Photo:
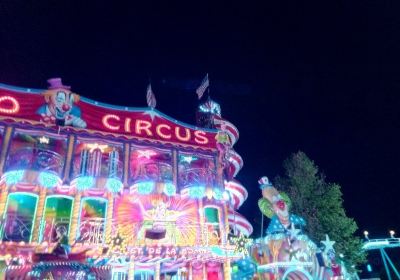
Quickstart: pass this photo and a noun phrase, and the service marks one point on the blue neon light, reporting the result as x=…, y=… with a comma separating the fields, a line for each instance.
x=145, y=187
x=15, y=176
x=48, y=180
x=84, y=182
x=218, y=194
x=169, y=189
x=197, y=192
x=114, y=185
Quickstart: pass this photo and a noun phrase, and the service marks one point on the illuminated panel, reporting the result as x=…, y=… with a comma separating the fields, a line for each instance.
x=19, y=217
x=13, y=109
x=212, y=219
x=57, y=217
x=48, y=180
x=92, y=220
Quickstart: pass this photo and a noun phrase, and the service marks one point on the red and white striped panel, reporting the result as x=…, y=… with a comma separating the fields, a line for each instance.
x=235, y=162
x=238, y=192
x=239, y=223
x=232, y=131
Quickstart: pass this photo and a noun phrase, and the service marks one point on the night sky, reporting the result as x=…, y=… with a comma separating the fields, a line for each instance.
x=321, y=77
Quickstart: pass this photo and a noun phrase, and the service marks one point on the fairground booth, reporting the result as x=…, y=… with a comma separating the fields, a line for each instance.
x=95, y=191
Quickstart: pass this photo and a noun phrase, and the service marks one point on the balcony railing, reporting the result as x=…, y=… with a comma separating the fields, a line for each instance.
x=16, y=228
x=154, y=171
x=36, y=159
x=196, y=177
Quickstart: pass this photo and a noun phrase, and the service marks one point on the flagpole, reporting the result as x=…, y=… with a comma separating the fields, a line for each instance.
x=208, y=89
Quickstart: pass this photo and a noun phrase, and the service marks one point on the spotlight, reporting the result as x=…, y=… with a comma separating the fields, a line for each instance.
x=366, y=234
x=392, y=233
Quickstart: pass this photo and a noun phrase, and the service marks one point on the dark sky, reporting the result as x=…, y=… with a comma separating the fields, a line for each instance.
x=317, y=76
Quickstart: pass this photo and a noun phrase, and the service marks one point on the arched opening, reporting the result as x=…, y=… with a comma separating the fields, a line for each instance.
x=19, y=217
x=57, y=216
x=92, y=220
x=212, y=224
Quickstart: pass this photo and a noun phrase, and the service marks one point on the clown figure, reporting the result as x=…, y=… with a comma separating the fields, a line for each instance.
x=276, y=206
x=59, y=108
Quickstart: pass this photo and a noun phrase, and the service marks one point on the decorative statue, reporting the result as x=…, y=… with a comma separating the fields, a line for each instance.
x=59, y=108
x=276, y=206
x=62, y=248
x=224, y=146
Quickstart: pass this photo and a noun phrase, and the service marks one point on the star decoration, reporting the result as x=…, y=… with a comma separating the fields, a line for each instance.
x=292, y=254
x=328, y=244
x=95, y=146
x=293, y=232
x=151, y=113
x=117, y=240
x=146, y=153
x=44, y=140
x=241, y=243
x=188, y=159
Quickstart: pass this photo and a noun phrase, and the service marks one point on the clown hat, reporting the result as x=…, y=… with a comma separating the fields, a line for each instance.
x=264, y=182
x=56, y=83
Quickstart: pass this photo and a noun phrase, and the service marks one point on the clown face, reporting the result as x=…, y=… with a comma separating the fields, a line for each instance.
x=281, y=209
x=60, y=103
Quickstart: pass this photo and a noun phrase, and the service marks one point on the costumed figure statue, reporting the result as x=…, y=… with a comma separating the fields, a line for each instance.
x=286, y=252
x=59, y=108
x=276, y=206
x=224, y=146
x=284, y=244
x=62, y=248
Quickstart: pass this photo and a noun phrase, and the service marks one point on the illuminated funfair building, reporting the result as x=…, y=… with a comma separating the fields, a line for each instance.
x=94, y=191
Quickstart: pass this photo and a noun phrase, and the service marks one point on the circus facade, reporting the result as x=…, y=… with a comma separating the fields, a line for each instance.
x=94, y=191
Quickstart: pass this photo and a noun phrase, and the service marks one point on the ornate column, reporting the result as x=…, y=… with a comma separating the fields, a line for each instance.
x=202, y=220
x=131, y=270
x=226, y=221
x=4, y=147
x=157, y=271
x=75, y=217
x=110, y=210
x=227, y=269
x=68, y=160
x=3, y=199
x=190, y=271
x=175, y=168
x=126, y=163
x=39, y=214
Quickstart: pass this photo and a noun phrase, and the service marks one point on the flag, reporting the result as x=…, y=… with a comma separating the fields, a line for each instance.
x=202, y=88
x=151, y=98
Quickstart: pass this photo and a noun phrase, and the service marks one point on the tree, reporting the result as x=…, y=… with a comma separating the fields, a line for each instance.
x=320, y=203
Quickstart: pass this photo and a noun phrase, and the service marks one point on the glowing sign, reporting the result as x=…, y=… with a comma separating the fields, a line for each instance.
x=7, y=109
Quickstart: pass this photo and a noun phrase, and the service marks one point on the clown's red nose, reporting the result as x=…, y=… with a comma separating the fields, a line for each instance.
x=281, y=204
x=65, y=107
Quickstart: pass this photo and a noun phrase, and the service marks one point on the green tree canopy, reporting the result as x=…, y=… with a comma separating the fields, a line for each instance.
x=320, y=203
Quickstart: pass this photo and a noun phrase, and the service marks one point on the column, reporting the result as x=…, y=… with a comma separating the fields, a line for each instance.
x=204, y=237
x=4, y=148
x=227, y=269
x=110, y=210
x=190, y=272
x=131, y=270
x=3, y=199
x=68, y=160
x=39, y=214
x=226, y=221
x=175, y=168
x=157, y=271
x=75, y=218
x=126, y=163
